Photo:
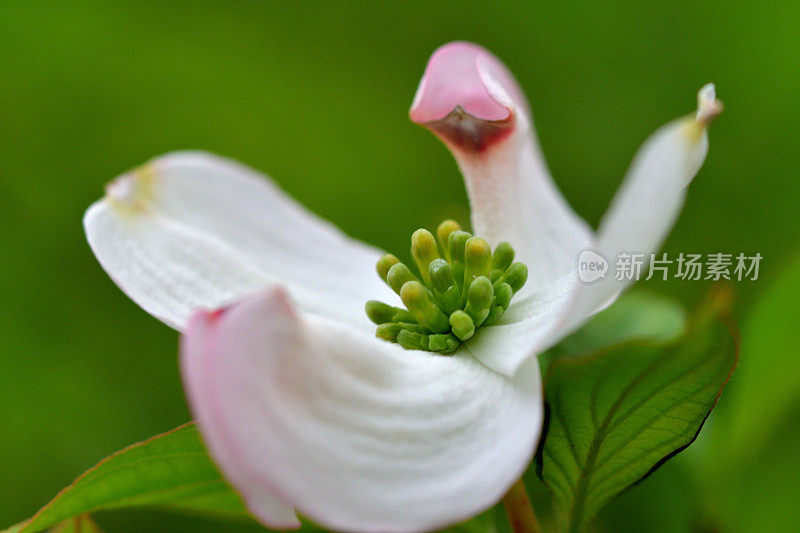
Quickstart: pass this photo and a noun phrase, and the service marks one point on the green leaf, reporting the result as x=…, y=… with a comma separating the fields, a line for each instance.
x=79, y=524
x=751, y=451
x=770, y=362
x=758, y=494
x=170, y=470
x=636, y=315
x=618, y=414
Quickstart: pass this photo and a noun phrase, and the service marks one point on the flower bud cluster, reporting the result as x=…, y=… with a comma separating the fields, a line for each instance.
x=462, y=285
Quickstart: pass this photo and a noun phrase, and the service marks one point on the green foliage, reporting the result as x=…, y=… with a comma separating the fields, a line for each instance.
x=770, y=361
x=751, y=453
x=172, y=471
x=169, y=470
x=753, y=495
x=619, y=413
x=79, y=524
x=485, y=522
x=635, y=315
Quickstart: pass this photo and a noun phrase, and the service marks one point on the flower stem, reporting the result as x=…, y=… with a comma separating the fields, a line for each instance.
x=519, y=510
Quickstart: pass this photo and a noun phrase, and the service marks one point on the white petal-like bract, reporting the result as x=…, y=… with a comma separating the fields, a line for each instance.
x=191, y=230
x=647, y=205
x=356, y=433
x=512, y=196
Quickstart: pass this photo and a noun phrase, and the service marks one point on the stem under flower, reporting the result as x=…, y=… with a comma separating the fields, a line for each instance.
x=519, y=510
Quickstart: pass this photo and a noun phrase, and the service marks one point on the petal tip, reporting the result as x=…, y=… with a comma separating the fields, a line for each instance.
x=466, y=96
x=708, y=107
x=275, y=298
x=279, y=296
x=132, y=189
x=453, y=78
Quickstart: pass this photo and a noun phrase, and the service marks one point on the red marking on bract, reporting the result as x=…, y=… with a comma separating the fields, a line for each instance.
x=215, y=315
x=467, y=132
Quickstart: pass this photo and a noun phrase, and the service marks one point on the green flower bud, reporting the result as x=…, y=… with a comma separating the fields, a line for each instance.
x=502, y=257
x=448, y=295
x=384, y=264
x=495, y=314
x=458, y=274
x=469, y=287
x=516, y=276
x=456, y=243
x=390, y=330
x=477, y=257
x=420, y=303
x=502, y=294
x=451, y=300
x=441, y=275
x=479, y=300
x=379, y=312
x=398, y=275
x=444, y=344
x=424, y=251
x=462, y=324
x=411, y=340
x=443, y=233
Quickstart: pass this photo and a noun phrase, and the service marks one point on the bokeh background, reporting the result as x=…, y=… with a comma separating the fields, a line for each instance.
x=317, y=95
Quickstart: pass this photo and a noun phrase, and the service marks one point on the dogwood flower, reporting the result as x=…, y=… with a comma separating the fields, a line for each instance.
x=301, y=406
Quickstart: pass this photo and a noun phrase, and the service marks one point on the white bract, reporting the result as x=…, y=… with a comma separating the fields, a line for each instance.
x=300, y=405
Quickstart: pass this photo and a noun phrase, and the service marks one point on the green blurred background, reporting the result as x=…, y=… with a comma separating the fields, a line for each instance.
x=317, y=95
